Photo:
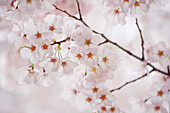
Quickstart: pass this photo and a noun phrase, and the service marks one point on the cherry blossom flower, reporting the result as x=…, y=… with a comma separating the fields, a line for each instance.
x=27, y=75
x=67, y=66
x=138, y=104
x=30, y=52
x=158, y=92
x=156, y=107
x=18, y=36
x=91, y=56
x=108, y=59
x=53, y=23
x=70, y=91
x=157, y=52
x=116, y=16
x=139, y=8
x=50, y=65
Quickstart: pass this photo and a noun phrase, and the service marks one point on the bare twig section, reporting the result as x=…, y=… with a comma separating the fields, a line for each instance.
x=114, y=43
x=64, y=11
x=78, y=5
x=59, y=43
x=103, y=43
x=158, y=70
x=168, y=68
x=132, y=81
x=142, y=40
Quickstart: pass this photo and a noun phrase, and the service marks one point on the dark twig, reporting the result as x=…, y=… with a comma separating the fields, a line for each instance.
x=142, y=40
x=132, y=81
x=103, y=43
x=113, y=43
x=64, y=11
x=168, y=68
x=78, y=5
x=59, y=43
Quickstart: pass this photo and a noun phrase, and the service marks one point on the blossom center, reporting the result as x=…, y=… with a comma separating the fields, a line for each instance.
x=45, y=46
x=160, y=93
x=136, y=4
x=64, y=64
x=160, y=53
x=12, y=3
x=89, y=99
x=79, y=56
x=95, y=90
x=38, y=35
x=53, y=60
x=157, y=108
x=105, y=59
x=88, y=42
x=51, y=28
x=89, y=55
x=28, y=1
x=33, y=48
x=103, y=108
x=112, y=109
x=94, y=70
x=116, y=11
x=103, y=97
x=75, y=91
x=126, y=0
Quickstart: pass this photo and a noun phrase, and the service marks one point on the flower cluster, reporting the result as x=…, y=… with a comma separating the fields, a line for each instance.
x=159, y=93
x=55, y=47
x=58, y=46
x=159, y=53
x=117, y=10
x=158, y=98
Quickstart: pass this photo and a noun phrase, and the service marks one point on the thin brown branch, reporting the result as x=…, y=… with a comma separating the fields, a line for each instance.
x=59, y=43
x=103, y=43
x=132, y=81
x=114, y=43
x=168, y=68
x=142, y=40
x=78, y=5
x=64, y=11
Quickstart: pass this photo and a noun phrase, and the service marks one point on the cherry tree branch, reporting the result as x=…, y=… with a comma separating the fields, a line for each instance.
x=132, y=81
x=107, y=40
x=59, y=43
x=142, y=40
x=78, y=6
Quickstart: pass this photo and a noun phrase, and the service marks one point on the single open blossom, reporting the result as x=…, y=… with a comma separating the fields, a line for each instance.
x=125, y=5
x=53, y=23
x=67, y=66
x=156, y=107
x=77, y=54
x=91, y=57
x=85, y=102
x=50, y=65
x=139, y=8
x=116, y=16
x=45, y=50
x=87, y=39
x=138, y=104
x=71, y=91
x=159, y=92
x=18, y=36
x=27, y=75
x=165, y=61
x=105, y=96
x=30, y=52
x=156, y=53
x=108, y=59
